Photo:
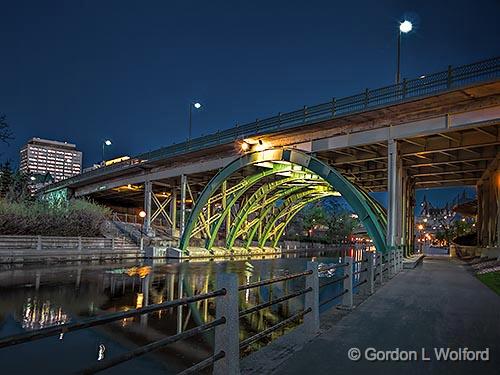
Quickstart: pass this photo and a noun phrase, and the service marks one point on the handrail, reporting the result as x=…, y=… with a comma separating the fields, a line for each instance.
x=92, y=322
x=338, y=265
x=272, y=281
x=107, y=363
x=273, y=328
x=452, y=78
x=334, y=297
x=335, y=280
x=274, y=301
x=195, y=369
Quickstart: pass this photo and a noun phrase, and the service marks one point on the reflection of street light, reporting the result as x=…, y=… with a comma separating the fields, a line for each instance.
x=420, y=227
x=191, y=105
x=404, y=28
x=107, y=142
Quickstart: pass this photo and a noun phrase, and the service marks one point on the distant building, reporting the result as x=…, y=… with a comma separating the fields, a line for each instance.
x=60, y=159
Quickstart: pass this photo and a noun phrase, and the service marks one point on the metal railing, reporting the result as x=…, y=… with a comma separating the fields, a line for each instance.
x=450, y=79
x=310, y=275
x=226, y=324
x=54, y=242
x=63, y=329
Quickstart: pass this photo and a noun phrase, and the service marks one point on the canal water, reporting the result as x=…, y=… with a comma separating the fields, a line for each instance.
x=38, y=296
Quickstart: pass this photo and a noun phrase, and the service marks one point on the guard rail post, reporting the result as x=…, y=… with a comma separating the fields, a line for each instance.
x=348, y=270
x=401, y=261
x=227, y=335
x=370, y=272
x=311, y=320
x=39, y=243
x=390, y=263
x=380, y=268
x=394, y=261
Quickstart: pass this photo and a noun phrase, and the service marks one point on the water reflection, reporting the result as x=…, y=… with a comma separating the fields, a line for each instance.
x=52, y=295
x=37, y=314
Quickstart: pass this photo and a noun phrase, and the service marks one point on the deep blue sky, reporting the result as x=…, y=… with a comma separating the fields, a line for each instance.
x=83, y=71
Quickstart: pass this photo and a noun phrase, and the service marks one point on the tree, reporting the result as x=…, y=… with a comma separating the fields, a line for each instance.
x=6, y=178
x=5, y=132
x=340, y=226
x=312, y=217
x=19, y=190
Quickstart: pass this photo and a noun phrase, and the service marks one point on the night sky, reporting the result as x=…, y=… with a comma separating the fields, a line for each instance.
x=85, y=71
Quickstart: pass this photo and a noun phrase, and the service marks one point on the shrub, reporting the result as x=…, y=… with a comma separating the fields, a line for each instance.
x=76, y=218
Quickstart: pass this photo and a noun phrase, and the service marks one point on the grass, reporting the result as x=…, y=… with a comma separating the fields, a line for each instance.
x=492, y=280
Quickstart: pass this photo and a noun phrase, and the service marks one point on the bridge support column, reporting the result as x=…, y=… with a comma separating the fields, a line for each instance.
x=148, y=188
x=394, y=198
x=173, y=211
x=183, y=203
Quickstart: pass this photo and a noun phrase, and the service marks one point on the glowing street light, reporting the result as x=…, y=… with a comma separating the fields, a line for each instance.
x=404, y=28
x=107, y=142
x=192, y=105
x=244, y=146
x=142, y=214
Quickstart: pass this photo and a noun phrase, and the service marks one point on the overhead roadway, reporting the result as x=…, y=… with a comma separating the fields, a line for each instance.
x=443, y=130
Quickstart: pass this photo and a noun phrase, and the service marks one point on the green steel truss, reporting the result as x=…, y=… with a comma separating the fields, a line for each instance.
x=278, y=184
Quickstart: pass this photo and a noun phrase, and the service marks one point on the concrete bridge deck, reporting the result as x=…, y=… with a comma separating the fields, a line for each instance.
x=439, y=304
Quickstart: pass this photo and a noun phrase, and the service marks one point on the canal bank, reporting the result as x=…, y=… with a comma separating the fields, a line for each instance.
x=34, y=297
x=437, y=305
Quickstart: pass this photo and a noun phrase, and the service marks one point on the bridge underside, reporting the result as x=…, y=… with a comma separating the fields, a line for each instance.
x=452, y=158
x=447, y=138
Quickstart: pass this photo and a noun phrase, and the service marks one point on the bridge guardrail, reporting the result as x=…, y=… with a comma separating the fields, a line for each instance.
x=225, y=359
x=452, y=78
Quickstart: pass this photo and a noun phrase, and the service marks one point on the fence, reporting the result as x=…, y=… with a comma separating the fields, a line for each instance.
x=373, y=269
x=450, y=79
x=77, y=243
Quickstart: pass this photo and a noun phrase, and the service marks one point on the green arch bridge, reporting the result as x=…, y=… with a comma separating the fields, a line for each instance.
x=273, y=186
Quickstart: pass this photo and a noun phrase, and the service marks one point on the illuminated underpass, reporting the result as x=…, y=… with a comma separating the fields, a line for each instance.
x=275, y=185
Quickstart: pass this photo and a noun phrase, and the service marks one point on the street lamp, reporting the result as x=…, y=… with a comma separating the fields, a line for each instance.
x=142, y=215
x=404, y=28
x=192, y=105
x=107, y=142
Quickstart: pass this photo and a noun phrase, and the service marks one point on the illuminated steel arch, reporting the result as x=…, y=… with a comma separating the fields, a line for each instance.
x=278, y=183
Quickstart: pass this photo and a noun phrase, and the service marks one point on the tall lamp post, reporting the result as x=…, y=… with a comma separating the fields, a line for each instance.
x=192, y=105
x=107, y=142
x=404, y=28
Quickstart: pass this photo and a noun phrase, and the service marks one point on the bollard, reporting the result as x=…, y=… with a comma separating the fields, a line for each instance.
x=39, y=243
x=398, y=263
x=370, y=272
x=390, y=263
x=311, y=320
x=79, y=243
x=227, y=334
x=348, y=270
x=381, y=268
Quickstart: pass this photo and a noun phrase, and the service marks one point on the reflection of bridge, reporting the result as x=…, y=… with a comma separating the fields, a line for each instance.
x=439, y=130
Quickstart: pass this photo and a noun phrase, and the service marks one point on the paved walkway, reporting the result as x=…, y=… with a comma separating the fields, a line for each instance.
x=439, y=304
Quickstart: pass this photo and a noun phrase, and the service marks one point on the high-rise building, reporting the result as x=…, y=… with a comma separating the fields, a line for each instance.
x=60, y=159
